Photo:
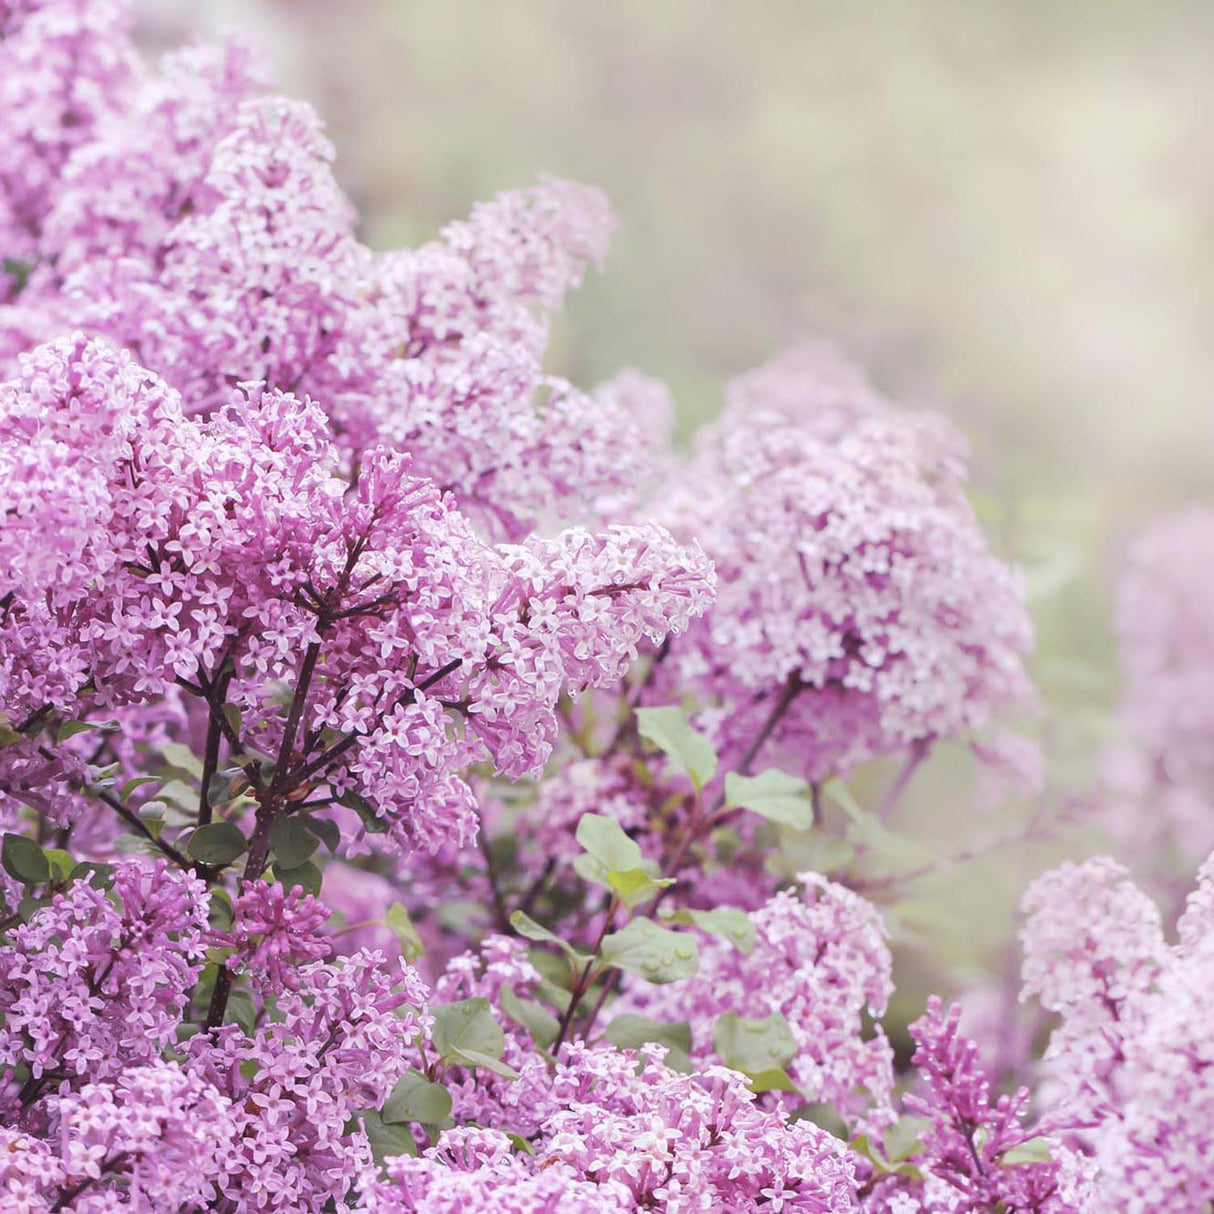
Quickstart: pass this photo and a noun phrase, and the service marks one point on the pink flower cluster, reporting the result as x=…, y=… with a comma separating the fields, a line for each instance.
x=233, y=543
x=1157, y=781
x=976, y=1153
x=1131, y=1066
x=89, y=988
x=94, y=991
x=191, y=218
x=821, y=961
x=860, y=611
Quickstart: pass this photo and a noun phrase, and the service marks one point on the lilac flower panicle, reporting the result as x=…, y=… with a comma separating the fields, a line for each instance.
x=88, y=988
x=860, y=611
x=821, y=960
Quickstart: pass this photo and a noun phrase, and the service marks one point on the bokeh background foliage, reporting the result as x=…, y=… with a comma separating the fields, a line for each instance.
x=1004, y=210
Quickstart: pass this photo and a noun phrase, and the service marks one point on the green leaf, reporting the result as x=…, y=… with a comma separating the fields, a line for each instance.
x=528, y=928
x=467, y=1025
x=669, y=730
x=1032, y=1150
x=183, y=758
x=760, y=1049
x=727, y=922
x=242, y=1010
x=386, y=1140
x=904, y=1138
x=824, y=1116
x=605, y=840
x=62, y=864
x=555, y=975
x=630, y=1032
x=614, y=861
x=366, y=811
x=152, y=814
x=221, y=913
x=773, y=795
x=415, y=1098
x=326, y=830
x=777, y=1079
x=20, y=270
x=129, y=787
x=537, y=1020
x=306, y=875
x=24, y=859
x=653, y=952
x=97, y=875
x=401, y=923
x=69, y=729
x=291, y=842
x=217, y=843
x=486, y=1062
x=520, y=1143
x=635, y=885
x=234, y=718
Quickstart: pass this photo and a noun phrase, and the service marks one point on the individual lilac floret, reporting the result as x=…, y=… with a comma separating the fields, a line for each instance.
x=860, y=610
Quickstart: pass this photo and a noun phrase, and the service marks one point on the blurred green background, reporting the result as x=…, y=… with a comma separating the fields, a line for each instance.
x=1004, y=208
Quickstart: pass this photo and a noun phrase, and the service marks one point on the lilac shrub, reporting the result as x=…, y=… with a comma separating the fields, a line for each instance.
x=422, y=788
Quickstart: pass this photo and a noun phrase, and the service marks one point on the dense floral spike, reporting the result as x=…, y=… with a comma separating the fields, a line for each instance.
x=860, y=611
x=154, y=1138
x=273, y=932
x=967, y=1157
x=64, y=65
x=821, y=961
x=1093, y=946
x=197, y=222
